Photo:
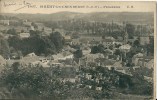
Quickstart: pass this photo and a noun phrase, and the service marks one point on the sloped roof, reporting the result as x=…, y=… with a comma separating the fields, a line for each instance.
x=138, y=55
x=125, y=47
x=97, y=55
x=58, y=56
x=117, y=64
x=29, y=59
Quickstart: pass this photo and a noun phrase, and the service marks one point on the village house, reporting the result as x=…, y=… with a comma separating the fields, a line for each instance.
x=67, y=39
x=75, y=42
x=98, y=88
x=33, y=60
x=105, y=62
x=150, y=64
x=82, y=62
x=86, y=51
x=21, y=29
x=144, y=62
x=24, y=35
x=88, y=76
x=108, y=37
x=83, y=41
x=62, y=59
x=118, y=42
x=92, y=57
x=14, y=22
x=4, y=22
x=55, y=63
x=125, y=48
x=131, y=41
x=27, y=23
x=136, y=57
x=91, y=64
x=149, y=79
x=109, y=51
x=107, y=42
x=144, y=40
x=29, y=59
x=120, y=38
x=88, y=38
x=94, y=43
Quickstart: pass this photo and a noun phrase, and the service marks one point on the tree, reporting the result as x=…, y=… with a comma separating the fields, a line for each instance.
x=78, y=54
x=57, y=39
x=117, y=45
x=35, y=25
x=111, y=47
x=101, y=48
x=150, y=47
x=117, y=52
x=97, y=49
x=12, y=31
x=136, y=43
x=94, y=49
x=4, y=47
x=130, y=29
x=33, y=82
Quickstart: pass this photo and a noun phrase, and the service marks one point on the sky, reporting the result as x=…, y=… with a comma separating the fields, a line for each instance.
x=32, y=6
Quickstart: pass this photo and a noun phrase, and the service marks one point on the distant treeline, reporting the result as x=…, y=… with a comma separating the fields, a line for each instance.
x=101, y=28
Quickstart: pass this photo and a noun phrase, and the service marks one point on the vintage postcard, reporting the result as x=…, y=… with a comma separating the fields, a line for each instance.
x=77, y=50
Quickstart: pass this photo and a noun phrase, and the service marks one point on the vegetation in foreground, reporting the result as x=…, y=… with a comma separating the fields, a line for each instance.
x=37, y=82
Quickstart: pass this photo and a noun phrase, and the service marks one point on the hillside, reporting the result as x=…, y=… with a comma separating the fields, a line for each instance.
x=135, y=17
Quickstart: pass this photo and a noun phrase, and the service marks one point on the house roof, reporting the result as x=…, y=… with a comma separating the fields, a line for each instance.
x=27, y=23
x=31, y=54
x=97, y=55
x=125, y=47
x=91, y=38
x=117, y=64
x=67, y=37
x=58, y=56
x=29, y=59
x=138, y=55
x=24, y=35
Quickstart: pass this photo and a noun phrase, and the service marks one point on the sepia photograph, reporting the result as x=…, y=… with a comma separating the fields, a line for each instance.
x=77, y=50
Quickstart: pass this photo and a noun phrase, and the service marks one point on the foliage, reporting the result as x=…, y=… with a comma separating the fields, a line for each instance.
x=4, y=47
x=117, y=52
x=37, y=44
x=122, y=82
x=130, y=30
x=33, y=81
x=136, y=43
x=150, y=47
x=57, y=39
x=78, y=54
x=12, y=31
x=97, y=49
